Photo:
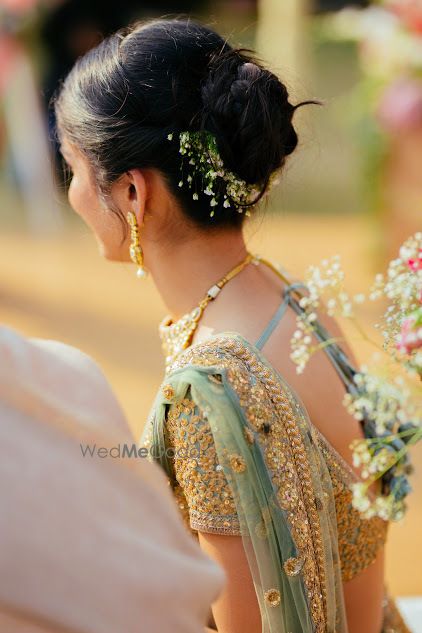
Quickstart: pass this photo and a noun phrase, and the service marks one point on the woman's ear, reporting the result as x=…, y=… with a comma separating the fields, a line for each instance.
x=138, y=193
x=130, y=193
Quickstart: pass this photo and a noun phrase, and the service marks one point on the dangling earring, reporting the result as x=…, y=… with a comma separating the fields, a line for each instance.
x=135, y=249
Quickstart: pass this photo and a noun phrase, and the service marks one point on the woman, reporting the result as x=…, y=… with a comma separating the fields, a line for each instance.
x=174, y=136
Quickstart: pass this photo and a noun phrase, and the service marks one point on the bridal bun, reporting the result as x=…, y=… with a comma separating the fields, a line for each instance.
x=248, y=109
x=122, y=101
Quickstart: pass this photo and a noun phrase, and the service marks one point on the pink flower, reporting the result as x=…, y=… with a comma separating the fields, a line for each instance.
x=410, y=12
x=400, y=107
x=410, y=337
x=415, y=264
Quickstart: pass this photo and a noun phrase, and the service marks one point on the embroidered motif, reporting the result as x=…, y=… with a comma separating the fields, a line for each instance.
x=237, y=463
x=168, y=392
x=272, y=597
x=293, y=566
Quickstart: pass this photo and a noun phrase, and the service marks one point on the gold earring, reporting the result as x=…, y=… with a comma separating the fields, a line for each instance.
x=135, y=249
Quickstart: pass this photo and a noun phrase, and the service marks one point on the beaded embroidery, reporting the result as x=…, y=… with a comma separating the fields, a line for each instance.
x=272, y=597
x=202, y=490
x=204, y=493
x=262, y=399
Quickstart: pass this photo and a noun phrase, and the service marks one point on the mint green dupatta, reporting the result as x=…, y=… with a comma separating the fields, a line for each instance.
x=279, y=480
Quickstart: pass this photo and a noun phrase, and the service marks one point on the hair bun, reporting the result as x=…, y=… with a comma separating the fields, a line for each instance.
x=247, y=108
x=247, y=72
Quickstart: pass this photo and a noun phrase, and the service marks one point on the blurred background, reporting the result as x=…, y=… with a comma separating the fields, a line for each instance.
x=353, y=187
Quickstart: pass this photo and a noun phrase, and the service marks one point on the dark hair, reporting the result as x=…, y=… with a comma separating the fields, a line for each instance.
x=123, y=98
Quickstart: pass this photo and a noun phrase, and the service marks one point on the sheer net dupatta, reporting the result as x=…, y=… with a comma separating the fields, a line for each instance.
x=282, y=492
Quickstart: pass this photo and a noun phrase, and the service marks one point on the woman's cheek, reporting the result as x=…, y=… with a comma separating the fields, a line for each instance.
x=74, y=196
x=82, y=198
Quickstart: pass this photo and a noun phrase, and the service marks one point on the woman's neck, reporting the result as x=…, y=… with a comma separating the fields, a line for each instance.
x=184, y=272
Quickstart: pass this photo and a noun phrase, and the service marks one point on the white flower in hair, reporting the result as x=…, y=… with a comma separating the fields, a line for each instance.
x=201, y=149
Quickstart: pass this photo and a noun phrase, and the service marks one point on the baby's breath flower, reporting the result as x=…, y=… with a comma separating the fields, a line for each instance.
x=359, y=298
x=360, y=499
x=387, y=507
x=383, y=401
x=200, y=147
x=324, y=283
x=379, y=400
x=402, y=286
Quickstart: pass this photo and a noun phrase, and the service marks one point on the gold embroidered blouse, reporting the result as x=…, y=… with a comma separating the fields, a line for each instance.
x=289, y=444
x=201, y=488
x=206, y=503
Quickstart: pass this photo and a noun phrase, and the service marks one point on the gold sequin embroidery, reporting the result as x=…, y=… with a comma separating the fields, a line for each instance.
x=237, y=463
x=202, y=490
x=168, y=392
x=272, y=597
x=293, y=566
x=273, y=413
x=264, y=403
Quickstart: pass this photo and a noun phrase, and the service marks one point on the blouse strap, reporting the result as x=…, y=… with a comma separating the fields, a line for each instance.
x=278, y=314
x=272, y=324
x=263, y=338
x=334, y=352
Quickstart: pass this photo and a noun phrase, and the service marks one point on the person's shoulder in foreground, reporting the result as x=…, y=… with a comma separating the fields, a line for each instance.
x=42, y=376
x=88, y=543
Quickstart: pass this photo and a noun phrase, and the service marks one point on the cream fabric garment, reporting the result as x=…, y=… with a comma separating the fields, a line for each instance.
x=88, y=544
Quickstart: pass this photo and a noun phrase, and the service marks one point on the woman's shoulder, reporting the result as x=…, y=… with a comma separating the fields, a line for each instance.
x=221, y=351
x=226, y=371
x=224, y=357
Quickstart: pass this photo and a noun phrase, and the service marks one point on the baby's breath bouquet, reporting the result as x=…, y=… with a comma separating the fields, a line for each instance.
x=385, y=395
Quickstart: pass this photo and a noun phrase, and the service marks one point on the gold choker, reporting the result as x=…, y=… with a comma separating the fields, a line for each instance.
x=177, y=336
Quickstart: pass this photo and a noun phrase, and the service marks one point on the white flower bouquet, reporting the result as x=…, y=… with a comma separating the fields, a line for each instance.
x=387, y=397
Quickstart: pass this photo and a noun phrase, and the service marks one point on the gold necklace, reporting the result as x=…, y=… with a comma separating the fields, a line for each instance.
x=177, y=335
